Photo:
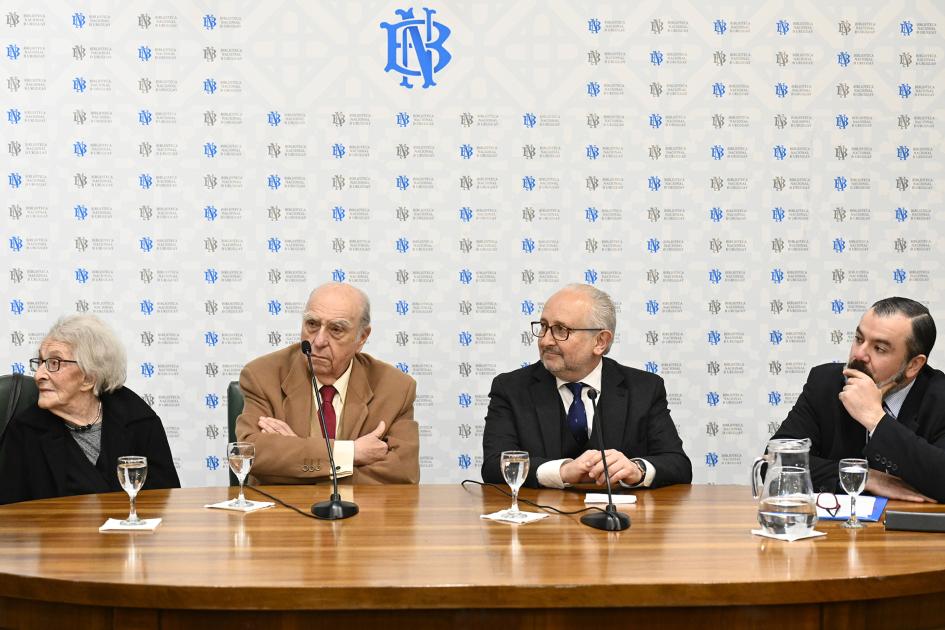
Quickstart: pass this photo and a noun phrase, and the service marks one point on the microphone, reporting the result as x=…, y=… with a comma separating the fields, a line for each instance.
x=609, y=520
x=334, y=508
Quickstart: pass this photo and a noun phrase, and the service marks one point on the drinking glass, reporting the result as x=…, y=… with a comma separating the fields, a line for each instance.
x=853, y=473
x=132, y=471
x=514, y=466
x=240, y=455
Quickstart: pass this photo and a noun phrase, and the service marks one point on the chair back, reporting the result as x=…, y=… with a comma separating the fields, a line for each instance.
x=17, y=393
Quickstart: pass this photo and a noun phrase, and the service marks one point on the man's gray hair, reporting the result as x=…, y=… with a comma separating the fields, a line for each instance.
x=603, y=311
x=99, y=353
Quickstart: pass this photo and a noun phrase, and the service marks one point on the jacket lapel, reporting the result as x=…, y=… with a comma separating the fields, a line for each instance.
x=613, y=407
x=297, y=388
x=358, y=396
x=547, y=403
x=909, y=413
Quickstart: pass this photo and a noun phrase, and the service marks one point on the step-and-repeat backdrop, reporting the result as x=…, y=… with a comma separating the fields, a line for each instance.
x=743, y=180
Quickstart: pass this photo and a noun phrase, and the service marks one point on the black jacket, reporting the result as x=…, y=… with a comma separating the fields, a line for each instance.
x=911, y=447
x=34, y=450
x=525, y=413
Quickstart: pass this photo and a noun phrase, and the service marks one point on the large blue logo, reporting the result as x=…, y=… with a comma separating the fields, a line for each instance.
x=406, y=36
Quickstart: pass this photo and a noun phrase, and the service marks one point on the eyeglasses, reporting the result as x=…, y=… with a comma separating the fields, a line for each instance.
x=52, y=364
x=559, y=332
x=828, y=501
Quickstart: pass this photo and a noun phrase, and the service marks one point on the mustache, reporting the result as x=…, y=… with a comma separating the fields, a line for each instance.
x=856, y=364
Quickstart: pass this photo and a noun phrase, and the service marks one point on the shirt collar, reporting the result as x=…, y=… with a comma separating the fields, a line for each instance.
x=895, y=400
x=591, y=380
x=341, y=385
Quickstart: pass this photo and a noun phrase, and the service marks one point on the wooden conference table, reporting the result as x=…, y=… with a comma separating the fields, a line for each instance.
x=420, y=557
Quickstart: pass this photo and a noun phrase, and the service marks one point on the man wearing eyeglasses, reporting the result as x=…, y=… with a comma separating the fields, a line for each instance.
x=545, y=408
x=885, y=404
x=368, y=404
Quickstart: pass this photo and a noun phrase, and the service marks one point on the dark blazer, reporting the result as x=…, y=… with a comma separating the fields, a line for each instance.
x=911, y=447
x=33, y=454
x=525, y=413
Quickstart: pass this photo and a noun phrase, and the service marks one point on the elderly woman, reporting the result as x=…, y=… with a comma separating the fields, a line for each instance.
x=83, y=421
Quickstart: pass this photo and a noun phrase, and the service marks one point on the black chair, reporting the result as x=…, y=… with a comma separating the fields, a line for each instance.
x=234, y=407
x=17, y=392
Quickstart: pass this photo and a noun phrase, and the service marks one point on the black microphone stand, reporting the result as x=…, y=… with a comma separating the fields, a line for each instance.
x=610, y=519
x=334, y=508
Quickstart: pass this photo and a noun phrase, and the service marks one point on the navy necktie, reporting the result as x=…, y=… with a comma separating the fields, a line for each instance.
x=577, y=415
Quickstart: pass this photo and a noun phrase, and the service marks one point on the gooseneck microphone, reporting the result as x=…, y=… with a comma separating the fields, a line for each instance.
x=610, y=519
x=334, y=508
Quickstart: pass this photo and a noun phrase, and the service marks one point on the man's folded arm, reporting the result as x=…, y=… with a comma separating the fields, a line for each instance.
x=900, y=452
x=279, y=458
x=402, y=463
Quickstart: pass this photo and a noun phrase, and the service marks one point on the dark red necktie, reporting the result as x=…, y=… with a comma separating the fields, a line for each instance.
x=328, y=394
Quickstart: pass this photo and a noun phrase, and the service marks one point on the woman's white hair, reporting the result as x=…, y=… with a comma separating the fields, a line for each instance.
x=97, y=349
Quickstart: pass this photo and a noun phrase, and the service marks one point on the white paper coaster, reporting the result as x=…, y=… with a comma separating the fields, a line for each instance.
x=811, y=534
x=114, y=525
x=518, y=518
x=252, y=507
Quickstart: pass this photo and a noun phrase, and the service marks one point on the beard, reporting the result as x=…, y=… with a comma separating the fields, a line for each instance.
x=897, y=378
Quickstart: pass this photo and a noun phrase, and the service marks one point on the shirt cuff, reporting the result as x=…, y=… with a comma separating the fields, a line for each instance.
x=549, y=474
x=647, y=480
x=344, y=457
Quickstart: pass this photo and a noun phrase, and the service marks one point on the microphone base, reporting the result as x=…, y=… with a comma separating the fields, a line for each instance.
x=609, y=521
x=334, y=509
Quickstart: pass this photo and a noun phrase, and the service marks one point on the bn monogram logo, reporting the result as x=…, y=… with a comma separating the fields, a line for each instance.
x=407, y=36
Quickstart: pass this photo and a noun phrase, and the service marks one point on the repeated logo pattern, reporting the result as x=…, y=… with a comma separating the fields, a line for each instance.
x=743, y=185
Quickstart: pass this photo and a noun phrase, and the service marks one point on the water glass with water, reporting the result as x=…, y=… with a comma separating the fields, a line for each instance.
x=240, y=456
x=514, y=466
x=132, y=471
x=853, y=474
